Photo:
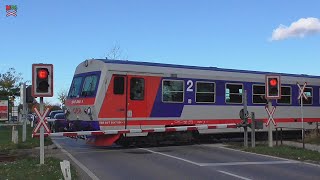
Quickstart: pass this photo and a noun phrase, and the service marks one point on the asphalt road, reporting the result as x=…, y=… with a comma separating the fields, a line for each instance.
x=182, y=162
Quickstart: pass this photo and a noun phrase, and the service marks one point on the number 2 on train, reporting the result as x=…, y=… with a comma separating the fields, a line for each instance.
x=190, y=86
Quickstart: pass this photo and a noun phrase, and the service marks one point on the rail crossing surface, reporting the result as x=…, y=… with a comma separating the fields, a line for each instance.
x=204, y=161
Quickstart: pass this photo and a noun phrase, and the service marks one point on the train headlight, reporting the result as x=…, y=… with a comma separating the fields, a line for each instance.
x=88, y=111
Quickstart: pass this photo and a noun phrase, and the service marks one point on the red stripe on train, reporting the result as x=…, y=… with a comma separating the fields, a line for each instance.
x=191, y=122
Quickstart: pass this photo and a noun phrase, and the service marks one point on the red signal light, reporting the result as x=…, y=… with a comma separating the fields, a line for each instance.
x=273, y=82
x=42, y=74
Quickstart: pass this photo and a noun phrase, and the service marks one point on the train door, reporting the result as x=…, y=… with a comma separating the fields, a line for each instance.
x=119, y=100
x=136, y=100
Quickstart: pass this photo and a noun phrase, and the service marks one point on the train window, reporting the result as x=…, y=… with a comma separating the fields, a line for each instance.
x=89, y=85
x=75, y=87
x=136, y=88
x=234, y=93
x=258, y=94
x=308, y=92
x=205, y=92
x=172, y=91
x=118, y=85
x=285, y=95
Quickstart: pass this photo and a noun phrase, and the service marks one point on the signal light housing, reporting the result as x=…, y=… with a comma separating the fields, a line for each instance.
x=273, y=87
x=42, y=80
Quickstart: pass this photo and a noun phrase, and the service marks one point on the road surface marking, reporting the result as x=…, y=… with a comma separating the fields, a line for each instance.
x=257, y=154
x=181, y=159
x=221, y=164
x=246, y=163
x=234, y=175
x=84, y=168
x=285, y=159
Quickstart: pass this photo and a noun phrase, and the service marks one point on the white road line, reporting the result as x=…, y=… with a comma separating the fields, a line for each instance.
x=258, y=154
x=84, y=168
x=234, y=175
x=246, y=163
x=222, y=164
x=181, y=159
x=307, y=163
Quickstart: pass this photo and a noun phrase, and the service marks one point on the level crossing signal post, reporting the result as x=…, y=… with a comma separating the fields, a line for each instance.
x=42, y=86
x=273, y=91
x=301, y=96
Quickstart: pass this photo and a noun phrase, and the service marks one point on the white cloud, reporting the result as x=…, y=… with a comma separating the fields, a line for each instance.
x=300, y=28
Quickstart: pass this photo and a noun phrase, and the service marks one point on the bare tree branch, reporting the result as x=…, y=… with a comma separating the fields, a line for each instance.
x=115, y=53
x=62, y=96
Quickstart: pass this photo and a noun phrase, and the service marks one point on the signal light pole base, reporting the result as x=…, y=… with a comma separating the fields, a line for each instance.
x=270, y=138
x=41, y=134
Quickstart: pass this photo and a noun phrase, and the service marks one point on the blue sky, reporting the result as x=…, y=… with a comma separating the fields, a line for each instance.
x=229, y=34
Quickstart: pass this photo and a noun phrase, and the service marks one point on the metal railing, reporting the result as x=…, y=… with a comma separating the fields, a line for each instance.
x=289, y=128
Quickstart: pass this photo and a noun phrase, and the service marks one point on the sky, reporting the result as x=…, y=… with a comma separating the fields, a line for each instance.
x=274, y=36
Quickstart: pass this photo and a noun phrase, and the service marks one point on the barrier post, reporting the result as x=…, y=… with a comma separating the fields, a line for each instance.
x=281, y=135
x=276, y=136
x=253, y=131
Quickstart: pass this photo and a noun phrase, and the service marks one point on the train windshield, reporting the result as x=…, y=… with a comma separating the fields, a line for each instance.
x=84, y=85
x=75, y=87
x=89, y=85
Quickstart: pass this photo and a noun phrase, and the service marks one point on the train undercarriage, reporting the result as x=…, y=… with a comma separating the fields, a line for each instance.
x=158, y=138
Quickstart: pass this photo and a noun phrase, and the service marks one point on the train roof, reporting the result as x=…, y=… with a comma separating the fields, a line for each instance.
x=200, y=68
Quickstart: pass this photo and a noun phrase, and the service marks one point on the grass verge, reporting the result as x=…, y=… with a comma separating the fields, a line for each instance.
x=29, y=168
x=282, y=151
x=6, y=144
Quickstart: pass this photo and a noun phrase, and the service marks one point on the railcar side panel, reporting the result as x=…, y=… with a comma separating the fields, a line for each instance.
x=132, y=99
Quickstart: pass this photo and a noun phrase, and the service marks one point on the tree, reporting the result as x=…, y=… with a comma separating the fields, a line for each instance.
x=62, y=96
x=115, y=53
x=10, y=83
x=52, y=107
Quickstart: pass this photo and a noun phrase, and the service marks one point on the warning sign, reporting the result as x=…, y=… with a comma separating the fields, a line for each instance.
x=4, y=110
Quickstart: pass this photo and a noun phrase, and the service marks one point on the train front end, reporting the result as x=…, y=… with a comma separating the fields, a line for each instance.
x=81, y=108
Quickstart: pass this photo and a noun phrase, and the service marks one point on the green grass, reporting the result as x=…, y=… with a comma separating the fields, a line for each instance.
x=29, y=168
x=5, y=139
x=282, y=151
x=26, y=167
